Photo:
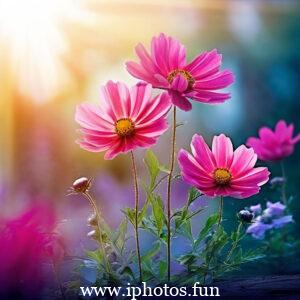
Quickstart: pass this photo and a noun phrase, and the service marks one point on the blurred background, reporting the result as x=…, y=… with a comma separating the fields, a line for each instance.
x=55, y=54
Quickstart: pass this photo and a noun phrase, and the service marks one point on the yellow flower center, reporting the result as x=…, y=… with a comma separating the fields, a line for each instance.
x=222, y=176
x=124, y=127
x=184, y=73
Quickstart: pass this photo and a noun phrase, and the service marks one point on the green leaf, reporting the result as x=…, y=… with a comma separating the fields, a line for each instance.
x=210, y=222
x=164, y=169
x=187, y=259
x=162, y=268
x=153, y=166
x=127, y=271
x=158, y=212
x=143, y=212
x=95, y=255
x=153, y=251
x=194, y=194
x=121, y=235
x=130, y=214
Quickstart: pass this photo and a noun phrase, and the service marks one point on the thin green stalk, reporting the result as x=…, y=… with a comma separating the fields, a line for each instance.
x=220, y=210
x=235, y=243
x=97, y=213
x=283, y=186
x=136, y=224
x=172, y=161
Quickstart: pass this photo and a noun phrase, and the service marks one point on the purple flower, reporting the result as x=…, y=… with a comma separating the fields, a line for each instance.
x=256, y=209
x=281, y=222
x=274, y=209
x=258, y=229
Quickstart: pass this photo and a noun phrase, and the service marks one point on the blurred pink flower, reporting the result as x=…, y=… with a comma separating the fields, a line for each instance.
x=27, y=241
x=127, y=119
x=222, y=171
x=274, y=145
x=166, y=68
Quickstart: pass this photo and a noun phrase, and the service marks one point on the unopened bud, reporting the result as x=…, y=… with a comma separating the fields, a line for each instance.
x=81, y=185
x=93, y=234
x=92, y=220
x=277, y=181
x=245, y=216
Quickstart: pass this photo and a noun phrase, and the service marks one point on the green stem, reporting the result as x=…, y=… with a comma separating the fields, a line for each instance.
x=172, y=161
x=220, y=210
x=136, y=224
x=97, y=213
x=283, y=186
x=235, y=243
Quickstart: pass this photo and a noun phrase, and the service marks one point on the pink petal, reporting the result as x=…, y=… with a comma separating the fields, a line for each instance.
x=167, y=53
x=202, y=153
x=180, y=101
x=114, y=150
x=296, y=139
x=267, y=136
x=243, y=159
x=98, y=133
x=215, y=82
x=146, y=60
x=154, y=129
x=91, y=117
x=190, y=166
x=140, y=95
x=222, y=150
x=204, y=64
x=139, y=72
x=116, y=96
x=254, y=177
x=157, y=108
x=208, y=96
x=179, y=83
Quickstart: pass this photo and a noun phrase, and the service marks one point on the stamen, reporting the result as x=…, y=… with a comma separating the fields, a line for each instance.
x=184, y=73
x=222, y=176
x=124, y=127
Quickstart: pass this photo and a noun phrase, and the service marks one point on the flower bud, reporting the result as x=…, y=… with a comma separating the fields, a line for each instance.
x=277, y=181
x=81, y=185
x=245, y=216
x=94, y=234
x=92, y=220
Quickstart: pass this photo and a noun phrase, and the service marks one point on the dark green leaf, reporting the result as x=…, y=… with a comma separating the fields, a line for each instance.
x=211, y=221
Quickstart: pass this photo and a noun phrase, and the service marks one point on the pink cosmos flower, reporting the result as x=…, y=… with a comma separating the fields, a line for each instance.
x=274, y=145
x=127, y=119
x=222, y=171
x=166, y=68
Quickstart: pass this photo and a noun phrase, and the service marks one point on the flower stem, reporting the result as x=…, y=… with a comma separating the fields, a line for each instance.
x=283, y=186
x=172, y=161
x=235, y=243
x=97, y=213
x=220, y=210
x=136, y=225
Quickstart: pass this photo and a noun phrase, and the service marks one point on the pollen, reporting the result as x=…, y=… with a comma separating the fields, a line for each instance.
x=184, y=73
x=124, y=127
x=222, y=176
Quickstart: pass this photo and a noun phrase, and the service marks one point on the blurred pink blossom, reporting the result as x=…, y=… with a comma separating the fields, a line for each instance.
x=27, y=241
x=274, y=145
